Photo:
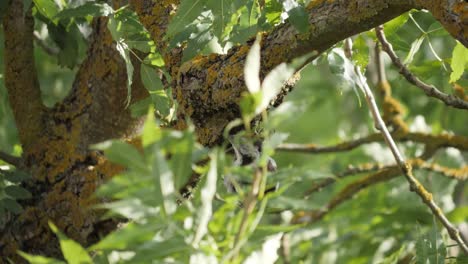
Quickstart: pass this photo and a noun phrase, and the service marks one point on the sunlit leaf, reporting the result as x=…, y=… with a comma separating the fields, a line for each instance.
x=207, y=195
x=132, y=208
x=164, y=179
x=252, y=67
x=124, y=52
x=151, y=132
x=48, y=8
x=459, y=62
x=415, y=47
x=39, y=259
x=181, y=161
x=73, y=252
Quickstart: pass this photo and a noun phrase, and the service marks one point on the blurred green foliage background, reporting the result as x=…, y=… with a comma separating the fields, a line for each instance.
x=380, y=221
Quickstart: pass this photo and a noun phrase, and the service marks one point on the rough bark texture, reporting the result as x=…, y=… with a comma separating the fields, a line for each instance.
x=208, y=89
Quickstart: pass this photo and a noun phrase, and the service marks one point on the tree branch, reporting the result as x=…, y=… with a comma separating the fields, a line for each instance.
x=348, y=192
x=99, y=93
x=441, y=140
x=15, y=161
x=430, y=90
x=406, y=168
x=21, y=78
x=460, y=174
x=209, y=87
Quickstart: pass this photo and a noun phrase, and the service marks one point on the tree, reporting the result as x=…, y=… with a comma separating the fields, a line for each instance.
x=154, y=53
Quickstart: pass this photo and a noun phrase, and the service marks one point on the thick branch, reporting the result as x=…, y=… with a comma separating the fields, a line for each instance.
x=21, y=78
x=209, y=88
x=430, y=90
x=99, y=92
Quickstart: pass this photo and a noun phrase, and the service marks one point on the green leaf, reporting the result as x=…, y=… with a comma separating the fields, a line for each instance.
x=17, y=192
x=15, y=176
x=123, y=50
x=127, y=237
x=249, y=103
x=459, y=62
x=392, y=26
x=164, y=180
x=197, y=42
x=140, y=108
x=39, y=259
x=73, y=252
x=12, y=205
x=273, y=10
x=299, y=18
x=222, y=12
x=252, y=67
x=344, y=71
x=67, y=41
x=130, y=30
x=428, y=247
x=151, y=132
x=275, y=79
x=415, y=47
x=87, y=9
x=181, y=160
x=394, y=257
x=114, y=26
x=124, y=154
x=207, y=194
x=48, y=8
x=361, y=51
x=187, y=12
x=173, y=246
x=154, y=85
x=459, y=214
x=133, y=208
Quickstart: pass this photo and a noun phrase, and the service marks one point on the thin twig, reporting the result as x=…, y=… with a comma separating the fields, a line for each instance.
x=460, y=174
x=350, y=171
x=285, y=249
x=347, y=192
x=441, y=140
x=405, y=167
x=430, y=90
x=249, y=205
x=15, y=161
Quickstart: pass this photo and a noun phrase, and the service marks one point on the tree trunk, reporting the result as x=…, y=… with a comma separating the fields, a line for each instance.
x=56, y=141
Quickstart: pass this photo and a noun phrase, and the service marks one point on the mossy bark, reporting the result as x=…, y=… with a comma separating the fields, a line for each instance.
x=56, y=141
